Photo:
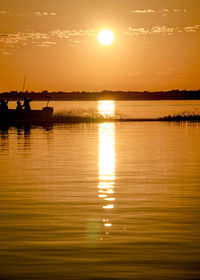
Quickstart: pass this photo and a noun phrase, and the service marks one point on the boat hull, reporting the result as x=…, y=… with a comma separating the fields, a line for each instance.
x=12, y=116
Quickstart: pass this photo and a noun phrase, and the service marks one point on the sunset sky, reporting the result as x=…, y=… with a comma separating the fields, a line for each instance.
x=54, y=44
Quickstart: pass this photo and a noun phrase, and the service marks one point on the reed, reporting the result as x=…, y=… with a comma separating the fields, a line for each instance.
x=78, y=117
x=82, y=117
x=185, y=116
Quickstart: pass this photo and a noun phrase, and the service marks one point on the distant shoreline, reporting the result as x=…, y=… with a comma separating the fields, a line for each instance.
x=103, y=95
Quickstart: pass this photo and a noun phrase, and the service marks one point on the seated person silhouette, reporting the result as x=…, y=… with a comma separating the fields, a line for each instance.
x=4, y=105
x=19, y=106
x=26, y=104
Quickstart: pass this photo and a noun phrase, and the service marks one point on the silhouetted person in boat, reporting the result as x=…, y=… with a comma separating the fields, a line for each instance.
x=19, y=106
x=4, y=105
x=1, y=106
x=26, y=104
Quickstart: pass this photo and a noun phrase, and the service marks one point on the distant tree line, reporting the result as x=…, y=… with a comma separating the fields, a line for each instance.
x=104, y=95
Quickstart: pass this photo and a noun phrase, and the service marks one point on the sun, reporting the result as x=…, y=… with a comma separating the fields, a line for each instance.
x=106, y=37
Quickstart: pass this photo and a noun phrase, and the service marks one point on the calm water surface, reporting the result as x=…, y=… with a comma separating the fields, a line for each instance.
x=100, y=201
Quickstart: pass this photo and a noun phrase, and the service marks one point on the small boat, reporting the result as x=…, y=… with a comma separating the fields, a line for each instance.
x=12, y=116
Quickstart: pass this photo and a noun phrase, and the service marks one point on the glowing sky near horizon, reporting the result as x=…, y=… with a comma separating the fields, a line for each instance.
x=54, y=44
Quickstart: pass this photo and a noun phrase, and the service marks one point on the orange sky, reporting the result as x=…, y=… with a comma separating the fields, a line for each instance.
x=54, y=44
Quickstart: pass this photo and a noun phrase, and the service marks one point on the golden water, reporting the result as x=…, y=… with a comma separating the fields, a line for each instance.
x=100, y=201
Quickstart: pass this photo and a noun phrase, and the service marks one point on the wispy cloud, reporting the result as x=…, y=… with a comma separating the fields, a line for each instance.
x=37, y=13
x=14, y=38
x=45, y=44
x=162, y=12
x=154, y=30
x=72, y=36
x=62, y=34
x=147, y=11
x=137, y=31
x=163, y=30
x=40, y=14
x=179, y=11
x=43, y=40
x=193, y=28
x=65, y=34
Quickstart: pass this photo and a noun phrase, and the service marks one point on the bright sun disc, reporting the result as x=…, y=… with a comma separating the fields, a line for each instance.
x=106, y=37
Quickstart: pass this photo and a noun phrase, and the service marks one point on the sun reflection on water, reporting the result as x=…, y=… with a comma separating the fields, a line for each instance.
x=106, y=108
x=107, y=176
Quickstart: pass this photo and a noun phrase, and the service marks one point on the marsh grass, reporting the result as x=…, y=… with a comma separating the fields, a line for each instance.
x=77, y=116
x=81, y=116
x=185, y=116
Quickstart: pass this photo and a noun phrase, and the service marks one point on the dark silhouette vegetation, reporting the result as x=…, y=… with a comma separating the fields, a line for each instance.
x=104, y=95
x=185, y=116
x=73, y=118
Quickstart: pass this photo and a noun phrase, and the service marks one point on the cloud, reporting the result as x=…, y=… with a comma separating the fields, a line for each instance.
x=65, y=34
x=176, y=11
x=32, y=36
x=14, y=38
x=43, y=40
x=193, y=28
x=148, y=11
x=45, y=44
x=179, y=11
x=154, y=30
x=62, y=34
x=72, y=36
x=81, y=32
x=40, y=14
x=137, y=31
x=161, y=30
x=163, y=11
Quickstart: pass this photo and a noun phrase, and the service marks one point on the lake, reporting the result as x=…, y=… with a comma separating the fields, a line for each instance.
x=102, y=200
